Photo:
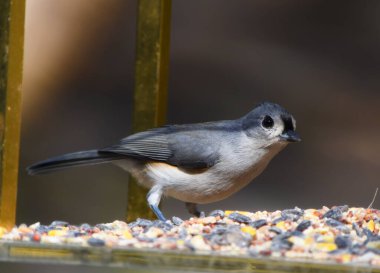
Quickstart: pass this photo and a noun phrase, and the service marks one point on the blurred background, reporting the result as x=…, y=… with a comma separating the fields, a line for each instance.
x=319, y=59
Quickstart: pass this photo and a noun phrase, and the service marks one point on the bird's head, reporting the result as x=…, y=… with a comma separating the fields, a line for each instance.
x=268, y=124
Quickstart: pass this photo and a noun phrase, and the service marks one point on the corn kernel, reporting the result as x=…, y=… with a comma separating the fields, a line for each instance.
x=326, y=247
x=228, y=212
x=281, y=225
x=57, y=232
x=249, y=230
x=371, y=225
x=127, y=235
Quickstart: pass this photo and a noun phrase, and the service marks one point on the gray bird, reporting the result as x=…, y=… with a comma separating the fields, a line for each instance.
x=195, y=163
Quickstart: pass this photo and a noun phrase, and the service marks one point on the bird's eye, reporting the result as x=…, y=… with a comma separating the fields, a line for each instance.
x=267, y=122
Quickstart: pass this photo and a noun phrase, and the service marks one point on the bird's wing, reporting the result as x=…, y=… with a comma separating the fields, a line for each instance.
x=170, y=144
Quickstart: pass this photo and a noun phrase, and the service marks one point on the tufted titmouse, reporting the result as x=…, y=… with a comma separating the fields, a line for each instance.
x=196, y=163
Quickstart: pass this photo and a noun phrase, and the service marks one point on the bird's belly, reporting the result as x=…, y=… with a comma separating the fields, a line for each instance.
x=199, y=187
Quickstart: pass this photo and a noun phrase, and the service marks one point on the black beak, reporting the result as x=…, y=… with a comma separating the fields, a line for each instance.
x=290, y=136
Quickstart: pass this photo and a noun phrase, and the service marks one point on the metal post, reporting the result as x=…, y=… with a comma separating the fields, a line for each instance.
x=12, y=14
x=151, y=81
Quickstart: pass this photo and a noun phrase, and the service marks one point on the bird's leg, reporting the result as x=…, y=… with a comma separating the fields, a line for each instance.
x=192, y=209
x=153, y=197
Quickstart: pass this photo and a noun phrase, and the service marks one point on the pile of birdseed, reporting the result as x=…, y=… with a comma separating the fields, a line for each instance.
x=340, y=234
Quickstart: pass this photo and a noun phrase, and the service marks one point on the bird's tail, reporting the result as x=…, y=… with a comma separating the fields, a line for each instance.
x=69, y=160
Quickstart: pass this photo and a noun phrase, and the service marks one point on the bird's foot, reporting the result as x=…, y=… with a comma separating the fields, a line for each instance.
x=158, y=213
x=192, y=209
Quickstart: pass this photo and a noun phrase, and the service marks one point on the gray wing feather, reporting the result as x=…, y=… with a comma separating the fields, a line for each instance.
x=170, y=144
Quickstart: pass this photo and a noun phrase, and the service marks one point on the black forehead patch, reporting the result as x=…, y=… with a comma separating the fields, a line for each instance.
x=288, y=123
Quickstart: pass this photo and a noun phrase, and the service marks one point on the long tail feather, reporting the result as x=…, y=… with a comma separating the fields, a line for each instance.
x=70, y=160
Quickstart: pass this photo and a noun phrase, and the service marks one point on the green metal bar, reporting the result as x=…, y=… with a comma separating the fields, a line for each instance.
x=12, y=15
x=151, y=82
